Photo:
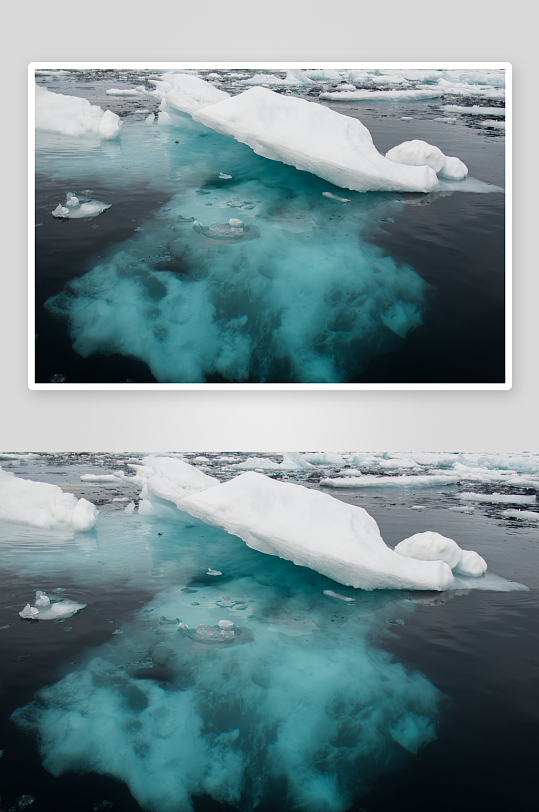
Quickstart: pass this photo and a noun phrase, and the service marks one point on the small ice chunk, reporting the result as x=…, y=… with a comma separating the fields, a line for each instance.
x=225, y=624
x=331, y=594
x=214, y=634
x=336, y=197
x=235, y=222
x=29, y=612
x=43, y=609
x=109, y=126
x=84, y=516
x=222, y=176
x=60, y=211
x=213, y=572
x=75, y=210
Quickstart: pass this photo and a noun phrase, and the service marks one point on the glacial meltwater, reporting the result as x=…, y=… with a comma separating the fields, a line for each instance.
x=237, y=227
x=169, y=641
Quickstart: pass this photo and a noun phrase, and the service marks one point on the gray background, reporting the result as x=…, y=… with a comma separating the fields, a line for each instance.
x=259, y=31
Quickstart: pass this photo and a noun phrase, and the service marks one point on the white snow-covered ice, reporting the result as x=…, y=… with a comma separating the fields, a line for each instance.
x=72, y=116
x=312, y=138
x=313, y=530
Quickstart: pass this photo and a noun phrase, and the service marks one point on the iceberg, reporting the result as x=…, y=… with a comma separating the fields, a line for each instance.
x=312, y=138
x=72, y=116
x=313, y=530
x=43, y=505
x=45, y=609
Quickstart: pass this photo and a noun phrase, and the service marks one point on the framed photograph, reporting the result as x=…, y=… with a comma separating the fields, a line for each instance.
x=243, y=226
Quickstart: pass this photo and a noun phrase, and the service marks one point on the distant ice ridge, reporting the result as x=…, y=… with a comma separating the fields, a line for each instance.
x=381, y=95
x=372, y=480
x=45, y=609
x=40, y=504
x=72, y=116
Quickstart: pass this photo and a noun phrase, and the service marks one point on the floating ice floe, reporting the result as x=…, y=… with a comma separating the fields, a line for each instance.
x=40, y=504
x=419, y=153
x=118, y=91
x=313, y=530
x=381, y=95
x=528, y=515
x=72, y=116
x=74, y=209
x=500, y=498
x=45, y=609
x=312, y=138
x=373, y=481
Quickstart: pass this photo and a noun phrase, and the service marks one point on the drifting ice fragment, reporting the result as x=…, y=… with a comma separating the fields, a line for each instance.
x=331, y=594
x=84, y=516
x=43, y=609
x=336, y=197
x=74, y=209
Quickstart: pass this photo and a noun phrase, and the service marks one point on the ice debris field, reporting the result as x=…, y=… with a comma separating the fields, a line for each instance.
x=259, y=266
x=252, y=674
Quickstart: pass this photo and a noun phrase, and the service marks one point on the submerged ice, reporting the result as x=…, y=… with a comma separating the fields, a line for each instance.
x=239, y=709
